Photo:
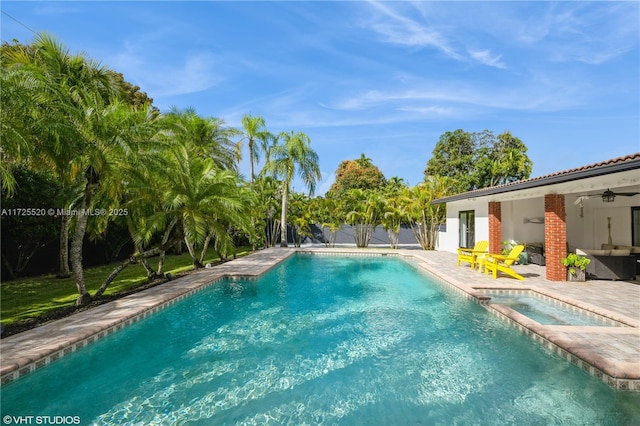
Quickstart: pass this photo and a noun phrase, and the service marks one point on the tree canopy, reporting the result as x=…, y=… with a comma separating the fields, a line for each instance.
x=360, y=174
x=171, y=177
x=479, y=160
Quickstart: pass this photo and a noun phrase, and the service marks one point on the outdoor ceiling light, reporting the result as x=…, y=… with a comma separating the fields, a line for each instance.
x=608, y=196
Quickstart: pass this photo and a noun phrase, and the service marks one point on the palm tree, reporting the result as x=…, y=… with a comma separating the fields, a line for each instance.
x=17, y=115
x=203, y=198
x=423, y=216
x=202, y=190
x=300, y=216
x=364, y=216
x=257, y=138
x=394, y=185
x=416, y=203
x=266, y=215
x=57, y=84
x=206, y=136
x=80, y=134
x=364, y=161
x=330, y=213
x=392, y=218
x=110, y=135
x=293, y=156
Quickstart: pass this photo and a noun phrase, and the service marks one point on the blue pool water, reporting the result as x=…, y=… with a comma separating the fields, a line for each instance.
x=547, y=313
x=320, y=340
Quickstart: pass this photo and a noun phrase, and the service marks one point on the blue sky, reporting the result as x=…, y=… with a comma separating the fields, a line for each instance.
x=382, y=78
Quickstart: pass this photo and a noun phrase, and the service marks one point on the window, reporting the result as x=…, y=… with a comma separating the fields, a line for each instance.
x=467, y=228
x=635, y=226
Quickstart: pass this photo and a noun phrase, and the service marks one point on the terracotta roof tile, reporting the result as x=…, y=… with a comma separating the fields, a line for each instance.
x=593, y=166
x=542, y=180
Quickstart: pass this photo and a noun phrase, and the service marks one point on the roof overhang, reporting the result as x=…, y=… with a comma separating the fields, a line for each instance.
x=580, y=181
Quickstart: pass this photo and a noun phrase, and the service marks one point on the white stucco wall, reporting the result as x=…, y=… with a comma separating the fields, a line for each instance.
x=519, y=220
x=585, y=229
x=591, y=230
x=514, y=214
x=450, y=240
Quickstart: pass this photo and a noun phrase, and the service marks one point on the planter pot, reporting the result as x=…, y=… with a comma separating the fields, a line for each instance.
x=578, y=275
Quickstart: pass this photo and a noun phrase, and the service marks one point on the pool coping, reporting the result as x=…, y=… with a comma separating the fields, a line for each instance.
x=605, y=316
x=25, y=352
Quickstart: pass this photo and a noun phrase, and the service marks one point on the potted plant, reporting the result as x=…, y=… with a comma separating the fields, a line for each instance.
x=523, y=258
x=576, y=266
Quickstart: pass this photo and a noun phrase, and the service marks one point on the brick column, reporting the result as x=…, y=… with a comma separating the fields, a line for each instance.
x=555, y=236
x=495, y=227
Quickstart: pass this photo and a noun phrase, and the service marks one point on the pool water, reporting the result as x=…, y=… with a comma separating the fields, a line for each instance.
x=548, y=313
x=320, y=340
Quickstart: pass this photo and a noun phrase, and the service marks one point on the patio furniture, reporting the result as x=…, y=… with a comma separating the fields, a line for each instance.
x=615, y=264
x=617, y=268
x=502, y=263
x=633, y=251
x=536, y=253
x=471, y=255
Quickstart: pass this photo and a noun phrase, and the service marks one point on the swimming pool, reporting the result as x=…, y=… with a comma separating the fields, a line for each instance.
x=320, y=339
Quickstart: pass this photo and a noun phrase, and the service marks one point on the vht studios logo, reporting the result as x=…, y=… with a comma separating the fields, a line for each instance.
x=41, y=420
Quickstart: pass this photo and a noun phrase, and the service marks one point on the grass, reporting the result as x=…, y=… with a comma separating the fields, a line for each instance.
x=32, y=297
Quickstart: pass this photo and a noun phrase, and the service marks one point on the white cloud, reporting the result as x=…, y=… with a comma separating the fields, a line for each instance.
x=429, y=111
x=446, y=97
x=592, y=33
x=191, y=74
x=487, y=58
x=399, y=29
x=195, y=75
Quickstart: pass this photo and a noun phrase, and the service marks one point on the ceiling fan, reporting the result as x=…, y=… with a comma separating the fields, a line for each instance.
x=607, y=196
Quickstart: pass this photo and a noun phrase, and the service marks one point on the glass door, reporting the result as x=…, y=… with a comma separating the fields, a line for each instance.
x=467, y=229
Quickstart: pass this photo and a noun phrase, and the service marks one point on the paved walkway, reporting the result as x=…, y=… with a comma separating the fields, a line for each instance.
x=609, y=353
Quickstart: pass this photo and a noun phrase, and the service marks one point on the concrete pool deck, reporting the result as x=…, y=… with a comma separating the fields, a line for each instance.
x=611, y=354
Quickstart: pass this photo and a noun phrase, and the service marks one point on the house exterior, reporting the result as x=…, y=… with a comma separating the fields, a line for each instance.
x=581, y=208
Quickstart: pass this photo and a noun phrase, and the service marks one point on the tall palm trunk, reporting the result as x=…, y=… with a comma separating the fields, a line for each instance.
x=76, y=248
x=251, y=154
x=271, y=231
x=362, y=234
x=192, y=252
x=142, y=256
x=165, y=238
x=393, y=238
x=151, y=274
x=64, y=271
x=205, y=246
x=283, y=216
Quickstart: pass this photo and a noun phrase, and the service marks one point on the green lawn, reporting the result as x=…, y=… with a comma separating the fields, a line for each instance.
x=31, y=297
